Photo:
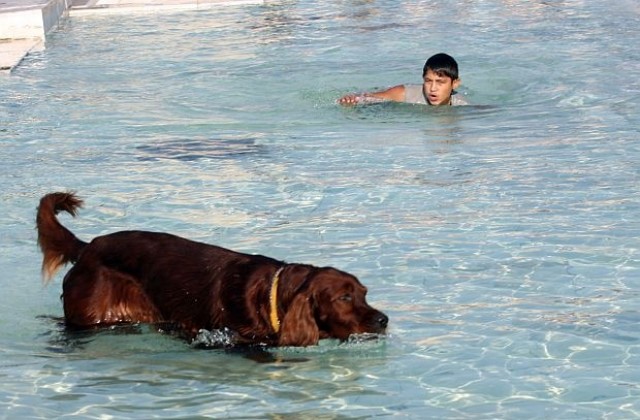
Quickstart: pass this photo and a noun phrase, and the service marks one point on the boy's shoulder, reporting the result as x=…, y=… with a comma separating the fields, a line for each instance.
x=457, y=100
x=414, y=94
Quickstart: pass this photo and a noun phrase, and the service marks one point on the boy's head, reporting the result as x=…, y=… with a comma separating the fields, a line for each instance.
x=443, y=65
x=440, y=77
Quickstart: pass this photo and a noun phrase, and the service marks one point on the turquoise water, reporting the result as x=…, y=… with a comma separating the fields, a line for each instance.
x=501, y=239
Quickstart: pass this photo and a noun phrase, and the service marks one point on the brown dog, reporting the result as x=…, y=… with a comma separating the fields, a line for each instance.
x=149, y=277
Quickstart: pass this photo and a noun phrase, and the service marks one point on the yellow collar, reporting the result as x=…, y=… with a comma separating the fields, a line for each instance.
x=273, y=301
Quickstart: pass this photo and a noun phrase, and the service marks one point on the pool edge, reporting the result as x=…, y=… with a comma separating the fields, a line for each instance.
x=26, y=25
x=25, y=28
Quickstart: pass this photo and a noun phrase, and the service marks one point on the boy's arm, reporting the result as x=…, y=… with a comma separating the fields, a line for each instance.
x=395, y=93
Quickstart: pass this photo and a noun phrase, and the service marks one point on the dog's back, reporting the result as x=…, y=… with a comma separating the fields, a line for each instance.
x=139, y=276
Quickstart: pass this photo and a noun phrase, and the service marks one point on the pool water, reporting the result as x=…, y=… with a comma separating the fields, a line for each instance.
x=501, y=238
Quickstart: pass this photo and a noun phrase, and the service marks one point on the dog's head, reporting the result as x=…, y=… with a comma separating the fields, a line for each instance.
x=326, y=303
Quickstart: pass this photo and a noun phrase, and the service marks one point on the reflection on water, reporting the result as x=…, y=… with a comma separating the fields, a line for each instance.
x=501, y=238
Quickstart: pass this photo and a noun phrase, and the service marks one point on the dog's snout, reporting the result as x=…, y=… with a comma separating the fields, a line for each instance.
x=382, y=320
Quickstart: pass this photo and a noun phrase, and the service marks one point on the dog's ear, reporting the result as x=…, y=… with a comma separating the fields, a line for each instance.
x=298, y=327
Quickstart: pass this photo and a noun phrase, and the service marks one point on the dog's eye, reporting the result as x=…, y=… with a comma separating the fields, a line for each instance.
x=345, y=298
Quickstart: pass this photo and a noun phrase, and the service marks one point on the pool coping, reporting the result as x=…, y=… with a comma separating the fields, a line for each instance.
x=25, y=25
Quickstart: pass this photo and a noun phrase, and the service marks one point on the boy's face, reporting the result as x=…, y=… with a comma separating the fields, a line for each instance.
x=438, y=88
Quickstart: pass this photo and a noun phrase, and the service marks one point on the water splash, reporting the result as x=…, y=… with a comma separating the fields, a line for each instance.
x=355, y=339
x=223, y=338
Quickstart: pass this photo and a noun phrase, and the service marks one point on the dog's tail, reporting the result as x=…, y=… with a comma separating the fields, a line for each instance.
x=59, y=246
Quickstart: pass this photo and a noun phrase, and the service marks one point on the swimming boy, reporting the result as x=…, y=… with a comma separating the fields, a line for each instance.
x=440, y=79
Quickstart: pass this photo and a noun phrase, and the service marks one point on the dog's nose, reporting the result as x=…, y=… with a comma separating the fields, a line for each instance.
x=383, y=320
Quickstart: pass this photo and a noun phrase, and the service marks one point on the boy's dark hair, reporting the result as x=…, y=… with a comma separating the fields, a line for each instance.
x=441, y=64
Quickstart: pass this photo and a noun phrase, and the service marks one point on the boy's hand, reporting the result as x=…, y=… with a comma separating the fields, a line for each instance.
x=351, y=99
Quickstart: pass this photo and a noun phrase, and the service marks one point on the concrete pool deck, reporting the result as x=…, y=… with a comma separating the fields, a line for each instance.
x=25, y=24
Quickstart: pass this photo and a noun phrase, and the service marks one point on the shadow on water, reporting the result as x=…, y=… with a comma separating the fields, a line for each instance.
x=64, y=340
x=127, y=339
x=196, y=149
